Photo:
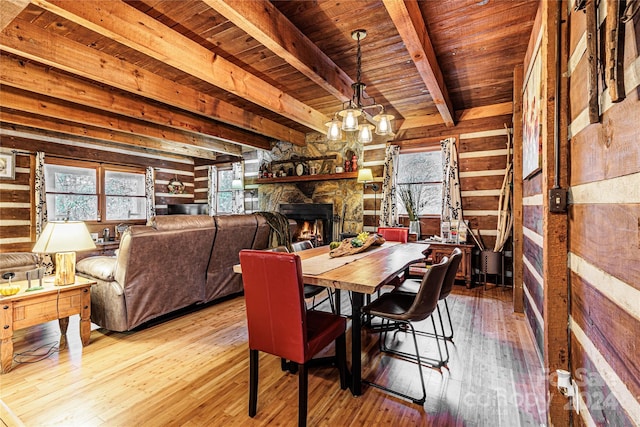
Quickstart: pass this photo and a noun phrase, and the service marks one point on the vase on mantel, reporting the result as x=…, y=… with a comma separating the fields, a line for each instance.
x=414, y=227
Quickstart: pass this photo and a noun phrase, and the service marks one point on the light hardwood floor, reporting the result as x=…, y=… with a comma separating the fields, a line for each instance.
x=192, y=370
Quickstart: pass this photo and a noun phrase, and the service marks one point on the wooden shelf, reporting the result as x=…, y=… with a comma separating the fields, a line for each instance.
x=305, y=178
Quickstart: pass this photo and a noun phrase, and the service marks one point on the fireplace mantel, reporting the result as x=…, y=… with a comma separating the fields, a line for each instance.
x=305, y=178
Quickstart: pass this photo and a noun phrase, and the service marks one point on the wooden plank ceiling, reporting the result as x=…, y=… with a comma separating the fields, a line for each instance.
x=205, y=77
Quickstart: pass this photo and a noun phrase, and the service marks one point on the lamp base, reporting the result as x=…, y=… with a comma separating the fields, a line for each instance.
x=65, y=269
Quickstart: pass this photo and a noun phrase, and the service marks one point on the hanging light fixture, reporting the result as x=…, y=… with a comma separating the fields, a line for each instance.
x=355, y=108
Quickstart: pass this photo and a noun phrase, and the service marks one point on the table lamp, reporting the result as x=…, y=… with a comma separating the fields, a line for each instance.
x=63, y=239
x=366, y=177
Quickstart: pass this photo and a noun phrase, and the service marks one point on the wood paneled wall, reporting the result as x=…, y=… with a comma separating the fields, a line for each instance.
x=17, y=216
x=604, y=236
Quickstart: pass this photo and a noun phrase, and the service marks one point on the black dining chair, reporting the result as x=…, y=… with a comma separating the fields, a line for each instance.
x=402, y=309
x=411, y=287
x=311, y=291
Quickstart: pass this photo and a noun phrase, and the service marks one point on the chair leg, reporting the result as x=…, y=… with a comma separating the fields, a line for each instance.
x=253, y=382
x=333, y=307
x=302, y=395
x=341, y=356
x=419, y=401
x=449, y=336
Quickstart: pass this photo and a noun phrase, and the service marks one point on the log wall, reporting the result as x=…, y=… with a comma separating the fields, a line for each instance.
x=604, y=235
x=17, y=215
x=482, y=156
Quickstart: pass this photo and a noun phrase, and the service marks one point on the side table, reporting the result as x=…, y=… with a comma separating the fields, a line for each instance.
x=439, y=250
x=26, y=309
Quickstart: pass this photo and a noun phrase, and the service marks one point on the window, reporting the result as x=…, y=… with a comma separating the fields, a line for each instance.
x=423, y=169
x=224, y=192
x=85, y=191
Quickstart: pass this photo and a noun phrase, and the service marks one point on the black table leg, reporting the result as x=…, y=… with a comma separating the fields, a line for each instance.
x=356, y=344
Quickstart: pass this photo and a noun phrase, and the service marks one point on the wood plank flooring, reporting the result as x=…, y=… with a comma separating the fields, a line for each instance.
x=192, y=370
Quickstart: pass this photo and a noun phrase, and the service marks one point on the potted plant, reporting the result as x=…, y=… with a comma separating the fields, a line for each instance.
x=414, y=201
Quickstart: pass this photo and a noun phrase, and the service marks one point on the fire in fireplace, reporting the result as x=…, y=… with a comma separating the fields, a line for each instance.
x=315, y=221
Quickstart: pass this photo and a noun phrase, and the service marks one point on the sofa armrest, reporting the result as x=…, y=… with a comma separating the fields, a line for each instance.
x=98, y=267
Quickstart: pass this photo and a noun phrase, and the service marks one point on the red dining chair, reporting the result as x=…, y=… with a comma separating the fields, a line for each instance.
x=279, y=323
x=394, y=234
x=401, y=309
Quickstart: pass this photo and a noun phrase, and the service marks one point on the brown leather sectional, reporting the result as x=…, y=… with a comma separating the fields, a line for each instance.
x=173, y=262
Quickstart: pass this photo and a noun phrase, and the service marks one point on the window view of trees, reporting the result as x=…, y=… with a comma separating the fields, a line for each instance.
x=225, y=194
x=124, y=195
x=72, y=193
x=424, y=170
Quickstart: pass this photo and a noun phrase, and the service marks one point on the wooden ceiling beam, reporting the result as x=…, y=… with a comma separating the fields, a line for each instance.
x=34, y=103
x=9, y=9
x=27, y=76
x=494, y=110
x=32, y=42
x=136, y=30
x=264, y=22
x=407, y=18
x=70, y=132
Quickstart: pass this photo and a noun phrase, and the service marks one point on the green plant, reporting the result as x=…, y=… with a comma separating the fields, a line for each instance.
x=412, y=197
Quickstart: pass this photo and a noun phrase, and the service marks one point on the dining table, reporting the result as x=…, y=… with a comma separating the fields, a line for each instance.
x=361, y=274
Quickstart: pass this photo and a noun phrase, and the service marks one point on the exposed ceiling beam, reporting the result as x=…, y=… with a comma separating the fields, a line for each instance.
x=265, y=23
x=125, y=24
x=407, y=18
x=71, y=132
x=32, y=42
x=9, y=9
x=27, y=76
x=34, y=103
x=461, y=115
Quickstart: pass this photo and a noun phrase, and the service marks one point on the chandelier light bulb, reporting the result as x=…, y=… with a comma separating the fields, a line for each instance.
x=365, y=135
x=334, y=133
x=383, y=124
x=350, y=121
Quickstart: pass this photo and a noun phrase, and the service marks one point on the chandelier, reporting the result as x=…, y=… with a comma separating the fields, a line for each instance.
x=348, y=118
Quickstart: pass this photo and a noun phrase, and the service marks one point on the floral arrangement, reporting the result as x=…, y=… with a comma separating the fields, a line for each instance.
x=412, y=197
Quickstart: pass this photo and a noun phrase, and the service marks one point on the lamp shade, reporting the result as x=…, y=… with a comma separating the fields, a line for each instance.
x=237, y=184
x=67, y=236
x=334, y=131
x=365, y=175
x=350, y=119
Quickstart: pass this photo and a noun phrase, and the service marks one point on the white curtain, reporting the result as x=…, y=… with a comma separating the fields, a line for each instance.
x=41, y=209
x=237, y=200
x=451, y=199
x=150, y=191
x=212, y=193
x=389, y=211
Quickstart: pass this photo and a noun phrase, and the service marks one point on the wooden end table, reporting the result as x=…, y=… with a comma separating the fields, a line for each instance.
x=26, y=309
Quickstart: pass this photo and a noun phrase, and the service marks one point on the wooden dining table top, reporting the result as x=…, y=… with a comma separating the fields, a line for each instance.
x=364, y=275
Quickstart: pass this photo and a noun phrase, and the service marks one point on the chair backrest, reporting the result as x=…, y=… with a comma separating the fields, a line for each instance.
x=394, y=234
x=274, y=299
x=450, y=277
x=302, y=245
x=278, y=249
x=427, y=297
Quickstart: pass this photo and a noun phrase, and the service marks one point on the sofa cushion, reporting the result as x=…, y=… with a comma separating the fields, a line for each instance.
x=100, y=267
x=180, y=222
x=18, y=259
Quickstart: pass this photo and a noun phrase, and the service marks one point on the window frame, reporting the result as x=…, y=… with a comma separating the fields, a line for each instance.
x=219, y=170
x=422, y=148
x=100, y=169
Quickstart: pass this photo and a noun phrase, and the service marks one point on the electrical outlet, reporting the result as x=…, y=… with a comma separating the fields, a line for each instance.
x=557, y=200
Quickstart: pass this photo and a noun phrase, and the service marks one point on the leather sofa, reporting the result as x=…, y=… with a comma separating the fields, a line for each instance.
x=173, y=262
x=18, y=263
